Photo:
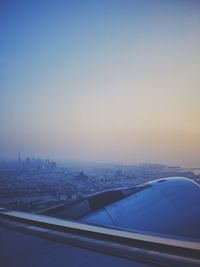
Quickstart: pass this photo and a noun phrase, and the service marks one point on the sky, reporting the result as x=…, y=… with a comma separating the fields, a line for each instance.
x=108, y=80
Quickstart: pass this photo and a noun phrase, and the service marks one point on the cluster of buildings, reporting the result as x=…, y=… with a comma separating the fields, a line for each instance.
x=30, y=164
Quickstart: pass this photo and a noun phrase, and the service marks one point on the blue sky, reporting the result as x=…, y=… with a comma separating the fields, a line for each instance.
x=114, y=81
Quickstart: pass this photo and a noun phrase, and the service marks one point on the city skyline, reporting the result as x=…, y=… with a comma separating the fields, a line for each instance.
x=103, y=81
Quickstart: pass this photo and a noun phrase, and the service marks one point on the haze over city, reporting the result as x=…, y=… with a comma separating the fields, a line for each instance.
x=111, y=81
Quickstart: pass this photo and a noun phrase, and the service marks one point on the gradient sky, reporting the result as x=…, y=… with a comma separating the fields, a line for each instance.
x=107, y=80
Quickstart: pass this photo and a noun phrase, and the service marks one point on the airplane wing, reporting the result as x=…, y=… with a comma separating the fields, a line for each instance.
x=155, y=224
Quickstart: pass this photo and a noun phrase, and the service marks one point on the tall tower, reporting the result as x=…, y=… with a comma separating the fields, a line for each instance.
x=19, y=156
